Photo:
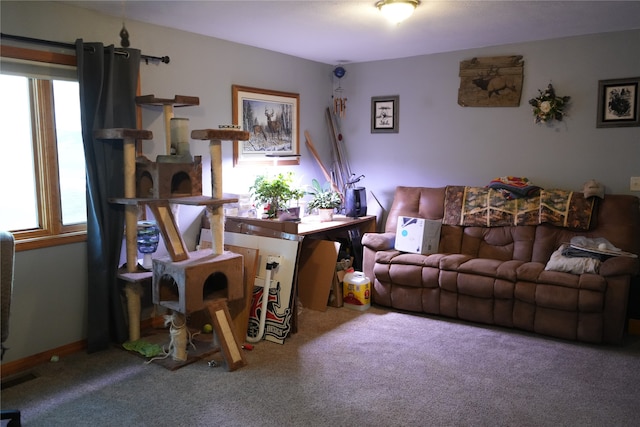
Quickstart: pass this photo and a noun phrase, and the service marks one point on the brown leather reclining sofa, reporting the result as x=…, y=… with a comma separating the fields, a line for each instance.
x=496, y=274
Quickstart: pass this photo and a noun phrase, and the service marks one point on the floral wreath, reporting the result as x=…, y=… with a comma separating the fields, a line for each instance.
x=547, y=106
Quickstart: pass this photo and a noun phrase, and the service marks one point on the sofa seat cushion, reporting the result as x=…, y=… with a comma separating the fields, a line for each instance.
x=405, y=269
x=475, y=286
x=558, y=297
x=397, y=257
x=560, y=291
x=567, y=299
x=535, y=272
x=491, y=268
x=589, y=281
x=529, y=271
x=451, y=262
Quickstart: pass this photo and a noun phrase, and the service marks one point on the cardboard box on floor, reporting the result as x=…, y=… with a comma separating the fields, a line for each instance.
x=335, y=296
x=317, y=271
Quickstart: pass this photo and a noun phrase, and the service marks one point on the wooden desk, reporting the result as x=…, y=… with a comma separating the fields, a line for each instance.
x=306, y=231
x=342, y=227
x=311, y=225
x=308, y=226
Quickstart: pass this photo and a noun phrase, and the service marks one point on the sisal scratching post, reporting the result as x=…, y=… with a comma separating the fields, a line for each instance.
x=128, y=137
x=216, y=214
x=131, y=211
x=168, y=115
x=180, y=137
x=216, y=219
x=179, y=336
x=133, y=291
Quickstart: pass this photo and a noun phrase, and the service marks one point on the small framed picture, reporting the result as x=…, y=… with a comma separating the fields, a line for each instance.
x=385, y=114
x=618, y=103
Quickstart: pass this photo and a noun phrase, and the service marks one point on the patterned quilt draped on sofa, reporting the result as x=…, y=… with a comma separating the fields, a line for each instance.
x=487, y=207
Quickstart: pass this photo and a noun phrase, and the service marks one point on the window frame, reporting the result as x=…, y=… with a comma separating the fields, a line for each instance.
x=51, y=231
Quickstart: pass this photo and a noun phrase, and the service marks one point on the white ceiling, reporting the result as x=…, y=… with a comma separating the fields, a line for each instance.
x=346, y=31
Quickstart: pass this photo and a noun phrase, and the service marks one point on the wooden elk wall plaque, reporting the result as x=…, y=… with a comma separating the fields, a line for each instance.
x=491, y=82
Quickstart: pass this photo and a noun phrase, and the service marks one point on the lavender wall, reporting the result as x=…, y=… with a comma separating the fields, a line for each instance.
x=442, y=143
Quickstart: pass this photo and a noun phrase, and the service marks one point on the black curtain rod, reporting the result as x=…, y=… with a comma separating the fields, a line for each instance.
x=147, y=58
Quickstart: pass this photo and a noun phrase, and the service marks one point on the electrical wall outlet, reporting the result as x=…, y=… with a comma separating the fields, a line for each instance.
x=635, y=183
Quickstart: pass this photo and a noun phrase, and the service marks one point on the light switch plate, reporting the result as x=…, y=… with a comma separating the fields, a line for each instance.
x=635, y=183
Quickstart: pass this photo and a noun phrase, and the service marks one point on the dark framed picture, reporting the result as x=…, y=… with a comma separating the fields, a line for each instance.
x=385, y=114
x=618, y=103
x=272, y=120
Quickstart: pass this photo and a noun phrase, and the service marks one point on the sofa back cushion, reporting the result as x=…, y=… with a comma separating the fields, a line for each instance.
x=617, y=220
x=500, y=243
x=419, y=202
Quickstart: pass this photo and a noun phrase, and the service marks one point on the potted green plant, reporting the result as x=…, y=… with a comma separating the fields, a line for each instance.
x=324, y=199
x=275, y=192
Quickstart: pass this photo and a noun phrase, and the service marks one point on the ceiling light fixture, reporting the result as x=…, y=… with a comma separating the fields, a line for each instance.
x=397, y=11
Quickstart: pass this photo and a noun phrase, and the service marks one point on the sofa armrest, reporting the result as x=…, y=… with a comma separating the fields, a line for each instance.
x=379, y=241
x=619, y=266
x=371, y=244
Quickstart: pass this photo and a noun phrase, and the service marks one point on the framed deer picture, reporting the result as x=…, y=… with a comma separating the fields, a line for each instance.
x=272, y=119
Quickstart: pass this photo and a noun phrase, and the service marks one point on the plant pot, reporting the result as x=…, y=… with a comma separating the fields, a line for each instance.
x=326, y=215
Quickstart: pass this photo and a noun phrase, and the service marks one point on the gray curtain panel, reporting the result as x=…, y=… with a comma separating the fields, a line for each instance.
x=108, y=79
x=7, y=256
